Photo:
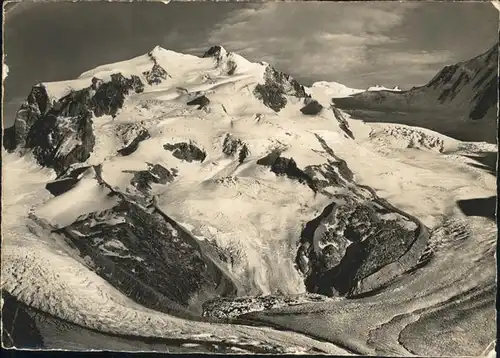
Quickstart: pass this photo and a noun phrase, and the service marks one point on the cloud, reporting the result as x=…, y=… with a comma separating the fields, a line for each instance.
x=323, y=41
x=418, y=58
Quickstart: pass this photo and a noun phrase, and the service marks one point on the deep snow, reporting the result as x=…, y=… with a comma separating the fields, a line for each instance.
x=242, y=206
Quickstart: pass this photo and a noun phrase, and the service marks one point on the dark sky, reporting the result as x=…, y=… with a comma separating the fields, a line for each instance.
x=358, y=44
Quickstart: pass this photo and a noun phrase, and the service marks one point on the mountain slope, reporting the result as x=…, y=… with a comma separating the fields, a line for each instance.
x=163, y=182
x=460, y=101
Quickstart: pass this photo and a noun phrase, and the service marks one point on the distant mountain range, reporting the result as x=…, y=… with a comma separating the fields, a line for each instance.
x=460, y=101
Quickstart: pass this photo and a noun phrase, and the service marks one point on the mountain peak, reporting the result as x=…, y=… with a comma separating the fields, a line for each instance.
x=215, y=51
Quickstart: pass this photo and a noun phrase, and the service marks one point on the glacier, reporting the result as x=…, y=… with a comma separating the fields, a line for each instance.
x=157, y=207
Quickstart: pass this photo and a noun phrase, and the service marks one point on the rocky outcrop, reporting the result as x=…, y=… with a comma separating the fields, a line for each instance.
x=278, y=85
x=34, y=108
x=156, y=75
x=244, y=153
x=341, y=250
x=201, y=102
x=311, y=108
x=147, y=255
x=143, y=134
x=109, y=96
x=156, y=174
x=9, y=139
x=213, y=51
x=333, y=173
x=343, y=124
x=232, y=145
x=186, y=151
x=66, y=181
x=61, y=134
x=286, y=167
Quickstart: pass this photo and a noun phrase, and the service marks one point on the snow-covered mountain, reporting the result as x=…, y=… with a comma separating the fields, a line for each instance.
x=461, y=98
x=328, y=90
x=142, y=191
x=382, y=88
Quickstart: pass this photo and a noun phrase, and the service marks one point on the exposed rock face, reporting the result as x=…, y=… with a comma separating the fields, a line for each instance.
x=201, y=102
x=244, y=153
x=278, y=85
x=156, y=173
x=109, y=96
x=334, y=173
x=35, y=107
x=66, y=182
x=62, y=137
x=286, y=167
x=156, y=76
x=186, y=151
x=147, y=257
x=311, y=108
x=9, y=138
x=351, y=240
x=231, y=146
x=145, y=254
x=486, y=98
x=158, y=263
x=343, y=124
x=214, y=51
x=134, y=143
x=61, y=134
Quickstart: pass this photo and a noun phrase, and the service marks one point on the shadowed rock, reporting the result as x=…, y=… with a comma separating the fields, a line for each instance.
x=201, y=102
x=343, y=124
x=110, y=96
x=9, y=138
x=484, y=207
x=231, y=145
x=278, y=85
x=214, y=51
x=312, y=108
x=61, y=134
x=58, y=145
x=147, y=256
x=18, y=327
x=34, y=108
x=156, y=76
x=244, y=153
x=350, y=247
x=186, y=151
x=286, y=167
x=66, y=181
x=132, y=147
x=156, y=174
x=452, y=103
